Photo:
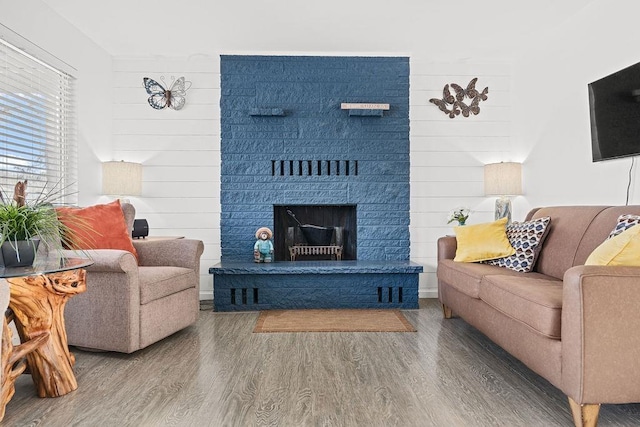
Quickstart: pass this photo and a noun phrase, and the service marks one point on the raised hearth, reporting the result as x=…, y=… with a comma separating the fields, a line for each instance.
x=241, y=286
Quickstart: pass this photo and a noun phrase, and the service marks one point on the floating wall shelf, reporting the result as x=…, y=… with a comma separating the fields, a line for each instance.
x=364, y=109
x=266, y=112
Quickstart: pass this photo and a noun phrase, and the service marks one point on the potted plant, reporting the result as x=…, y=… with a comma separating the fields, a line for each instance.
x=24, y=225
x=459, y=214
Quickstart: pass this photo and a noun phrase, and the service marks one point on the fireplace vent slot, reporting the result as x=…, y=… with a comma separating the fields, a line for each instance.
x=242, y=297
x=314, y=167
x=389, y=295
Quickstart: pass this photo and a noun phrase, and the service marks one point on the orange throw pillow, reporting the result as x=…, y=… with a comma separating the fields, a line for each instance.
x=97, y=227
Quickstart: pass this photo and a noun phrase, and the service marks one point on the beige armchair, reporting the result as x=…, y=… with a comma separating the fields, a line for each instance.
x=128, y=305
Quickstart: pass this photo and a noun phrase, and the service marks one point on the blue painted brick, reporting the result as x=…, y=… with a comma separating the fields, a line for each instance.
x=366, y=113
x=311, y=89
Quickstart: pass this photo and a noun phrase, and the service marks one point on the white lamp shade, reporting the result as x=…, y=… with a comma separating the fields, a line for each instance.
x=503, y=179
x=122, y=178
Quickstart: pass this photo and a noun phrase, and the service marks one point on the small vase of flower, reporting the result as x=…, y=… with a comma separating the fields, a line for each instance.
x=459, y=214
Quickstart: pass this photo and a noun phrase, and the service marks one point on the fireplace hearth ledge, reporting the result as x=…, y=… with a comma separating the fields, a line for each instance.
x=243, y=286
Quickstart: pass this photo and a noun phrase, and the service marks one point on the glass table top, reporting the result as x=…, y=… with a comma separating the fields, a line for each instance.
x=45, y=265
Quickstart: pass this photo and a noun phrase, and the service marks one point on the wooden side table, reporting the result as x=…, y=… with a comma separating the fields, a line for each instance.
x=13, y=359
x=38, y=298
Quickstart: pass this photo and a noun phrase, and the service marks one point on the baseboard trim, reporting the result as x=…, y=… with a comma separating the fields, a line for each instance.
x=206, y=295
x=428, y=293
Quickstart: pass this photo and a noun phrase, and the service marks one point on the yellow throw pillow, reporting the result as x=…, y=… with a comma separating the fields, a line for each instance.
x=623, y=249
x=481, y=242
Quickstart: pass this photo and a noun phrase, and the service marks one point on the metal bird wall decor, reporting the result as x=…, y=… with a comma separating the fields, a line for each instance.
x=454, y=105
x=163, y=96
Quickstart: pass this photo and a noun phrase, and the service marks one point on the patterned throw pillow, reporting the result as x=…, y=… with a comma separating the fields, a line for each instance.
x=624, y=222
x=526, y=238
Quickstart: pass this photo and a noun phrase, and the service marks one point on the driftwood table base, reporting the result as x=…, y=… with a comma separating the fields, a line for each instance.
x=13, y=363
x=38, y=305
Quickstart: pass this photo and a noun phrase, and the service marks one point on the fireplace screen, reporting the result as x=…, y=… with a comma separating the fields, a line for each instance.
x=314, y=232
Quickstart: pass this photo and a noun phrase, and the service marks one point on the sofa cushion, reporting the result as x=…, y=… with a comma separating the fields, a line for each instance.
x=481, y=242
x=624, y=222
x=97, y=227
x=526, y=238
x=159, y=282
x=622, y=249
x=534, y=301
x=466, y=277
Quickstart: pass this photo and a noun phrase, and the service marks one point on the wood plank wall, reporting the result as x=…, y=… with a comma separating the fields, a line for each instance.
x=447, y=155
x=179, y=150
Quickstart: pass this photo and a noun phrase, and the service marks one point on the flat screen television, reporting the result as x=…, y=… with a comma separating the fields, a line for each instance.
x=614, y=102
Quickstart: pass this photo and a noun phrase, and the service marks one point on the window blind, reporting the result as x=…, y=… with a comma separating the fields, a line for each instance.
x=37, y=126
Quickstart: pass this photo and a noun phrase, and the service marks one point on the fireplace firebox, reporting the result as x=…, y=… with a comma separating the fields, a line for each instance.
x=319, y=232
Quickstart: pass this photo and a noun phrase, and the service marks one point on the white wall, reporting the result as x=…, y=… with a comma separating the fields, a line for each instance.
x=179, y=150
x=551, y=107
x=34, y=21
x=447, y=155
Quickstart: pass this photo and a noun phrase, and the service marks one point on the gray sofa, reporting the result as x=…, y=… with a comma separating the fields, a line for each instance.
x=574, y=325
x=129, y=306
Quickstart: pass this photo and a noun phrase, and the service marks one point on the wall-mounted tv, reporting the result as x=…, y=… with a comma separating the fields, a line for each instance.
x=614, y=102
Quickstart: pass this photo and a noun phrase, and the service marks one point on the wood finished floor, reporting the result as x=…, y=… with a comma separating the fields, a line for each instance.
x=219, y=373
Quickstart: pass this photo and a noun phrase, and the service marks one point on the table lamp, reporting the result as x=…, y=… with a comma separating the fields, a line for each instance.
x=503, y=180
x=122, y=179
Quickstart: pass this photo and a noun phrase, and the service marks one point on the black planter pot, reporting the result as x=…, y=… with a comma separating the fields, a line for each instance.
x=20, y=255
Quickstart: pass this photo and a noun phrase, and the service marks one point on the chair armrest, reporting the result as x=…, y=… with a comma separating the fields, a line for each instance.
x=600, y=343
x=107, y=260
x=174, y=252
x=112, y=302
x=447, y=247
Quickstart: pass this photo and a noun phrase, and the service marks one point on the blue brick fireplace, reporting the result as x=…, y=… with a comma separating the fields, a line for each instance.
x=286, y=141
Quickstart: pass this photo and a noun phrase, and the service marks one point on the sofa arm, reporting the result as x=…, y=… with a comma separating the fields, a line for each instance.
x=174, y=252
x=107, y=260
x=600, y=343
x=447, y=247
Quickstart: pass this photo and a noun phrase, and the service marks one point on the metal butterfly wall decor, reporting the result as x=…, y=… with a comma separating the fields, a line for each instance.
x=163, y=96
x=453, y=106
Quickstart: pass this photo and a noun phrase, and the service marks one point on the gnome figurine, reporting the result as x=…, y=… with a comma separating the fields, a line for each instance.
x=263, y=249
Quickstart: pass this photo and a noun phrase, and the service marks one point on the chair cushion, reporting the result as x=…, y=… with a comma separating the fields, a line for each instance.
x=159, y=282
x=480, y=242
x=97, y=227
x=532, y=300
